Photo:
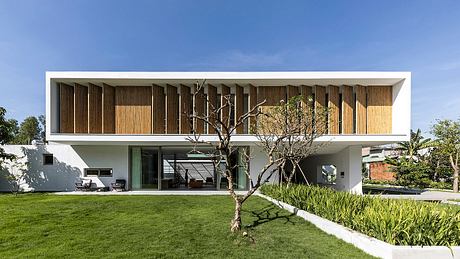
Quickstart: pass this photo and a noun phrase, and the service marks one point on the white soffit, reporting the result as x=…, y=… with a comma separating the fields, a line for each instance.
x=255, y=78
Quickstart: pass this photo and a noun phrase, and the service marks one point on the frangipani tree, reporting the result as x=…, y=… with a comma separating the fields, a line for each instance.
x=292, y=143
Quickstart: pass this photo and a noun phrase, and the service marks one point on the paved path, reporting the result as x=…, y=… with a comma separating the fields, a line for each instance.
x=425, y=196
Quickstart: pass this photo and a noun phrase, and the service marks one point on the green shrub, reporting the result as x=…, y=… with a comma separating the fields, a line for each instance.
x=441, y=185
x=398, y=222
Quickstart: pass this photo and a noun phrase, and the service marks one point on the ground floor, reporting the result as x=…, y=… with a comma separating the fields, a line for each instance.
x=163, y=168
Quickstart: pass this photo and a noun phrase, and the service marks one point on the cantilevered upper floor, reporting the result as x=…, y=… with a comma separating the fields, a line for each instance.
x=146, y=107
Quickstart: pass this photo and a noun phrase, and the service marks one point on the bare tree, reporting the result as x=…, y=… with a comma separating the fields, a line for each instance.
x=292, y=143
x=218, y=121
x=288, y=131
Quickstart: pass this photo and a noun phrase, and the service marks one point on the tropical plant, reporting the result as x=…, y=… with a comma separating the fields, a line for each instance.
x=398, y=222
x=411, y=149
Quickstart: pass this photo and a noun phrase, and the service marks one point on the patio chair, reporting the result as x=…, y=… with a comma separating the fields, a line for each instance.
x=119, y=185
x=84, y=185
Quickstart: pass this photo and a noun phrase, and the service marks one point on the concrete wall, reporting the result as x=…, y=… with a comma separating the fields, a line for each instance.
x=347, y=161
x=68, y=166
x=258, y=161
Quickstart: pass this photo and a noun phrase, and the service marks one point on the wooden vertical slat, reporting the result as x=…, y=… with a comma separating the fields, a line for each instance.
x=81, y=109
x=185, y=110
x=347, y=109
x=333, y=105
x=200, y=106
x=252, y=104
x=158, y=110
x=308, y=105
x=172, y=110
x=212, y=104
x=133, y=110
x=108, y=109
x=361, y=110
x=379, y=109
x=272, y=94
x=292, y=91
x=94, y=109
x=320, y=106
x=239, y=106
x=225, y=94
x=66, y=108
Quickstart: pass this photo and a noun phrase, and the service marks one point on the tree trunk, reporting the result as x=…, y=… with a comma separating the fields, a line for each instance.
x=454, y=165
x=236, y=221
x=455, y=187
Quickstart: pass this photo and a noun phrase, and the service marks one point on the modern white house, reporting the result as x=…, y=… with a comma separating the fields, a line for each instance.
x=131, y=125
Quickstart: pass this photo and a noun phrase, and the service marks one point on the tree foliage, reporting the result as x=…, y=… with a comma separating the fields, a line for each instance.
x=29, y=130
x=447, y=133
x=6, y=135
x=412, y=168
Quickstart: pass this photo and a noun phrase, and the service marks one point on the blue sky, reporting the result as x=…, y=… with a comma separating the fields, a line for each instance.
x=418, y=36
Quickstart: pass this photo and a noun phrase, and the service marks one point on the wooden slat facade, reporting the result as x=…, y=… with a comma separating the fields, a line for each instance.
x=94, y=109
x=379, y=109
x=292, y=91
x=239, y=106
x=66, y=109
x=133, y=110
x=200, y=109
x=224, y=95
x=320, y=106
x=158, y=110
x=361, y=110
x=81, y=109
x=334, y=109
x=347, y=109
x=172, y=110
x=149, y=110
x=108, y=109
x=185, y=110
x=212, y=104
x=272, y=94
x=252, y=98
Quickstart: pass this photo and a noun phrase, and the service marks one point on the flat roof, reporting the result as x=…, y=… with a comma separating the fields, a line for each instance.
x=257, y=78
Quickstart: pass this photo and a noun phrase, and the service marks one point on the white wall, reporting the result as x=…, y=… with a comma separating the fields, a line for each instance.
x=347, y=161
x=258, y=161
x=401, y=110
x=68, y=166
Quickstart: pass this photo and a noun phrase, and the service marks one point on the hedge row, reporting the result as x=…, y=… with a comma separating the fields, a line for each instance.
x=398, y=222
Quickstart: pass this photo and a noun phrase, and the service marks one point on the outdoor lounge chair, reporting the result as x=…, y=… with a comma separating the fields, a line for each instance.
x=84, y=185
x=119, y=185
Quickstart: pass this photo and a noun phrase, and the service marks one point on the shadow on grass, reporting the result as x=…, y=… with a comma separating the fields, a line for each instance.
x=268, y=214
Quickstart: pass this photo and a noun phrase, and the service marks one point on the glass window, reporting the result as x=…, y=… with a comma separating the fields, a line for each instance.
x=98, y=172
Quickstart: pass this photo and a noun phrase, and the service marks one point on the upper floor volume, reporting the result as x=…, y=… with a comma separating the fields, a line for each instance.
x=157, y=103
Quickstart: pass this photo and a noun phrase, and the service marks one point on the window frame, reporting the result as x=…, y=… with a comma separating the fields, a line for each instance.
x=98, y=172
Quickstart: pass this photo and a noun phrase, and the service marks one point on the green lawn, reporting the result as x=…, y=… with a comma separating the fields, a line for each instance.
x=40, y=225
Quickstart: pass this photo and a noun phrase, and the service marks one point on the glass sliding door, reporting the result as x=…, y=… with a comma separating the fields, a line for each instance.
x=144, y=168
x=149, y=168
x=136, y=168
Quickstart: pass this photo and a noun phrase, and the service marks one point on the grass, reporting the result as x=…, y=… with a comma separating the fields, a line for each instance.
x=41, y=225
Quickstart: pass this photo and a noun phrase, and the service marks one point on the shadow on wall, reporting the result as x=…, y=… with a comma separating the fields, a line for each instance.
x=29, y=173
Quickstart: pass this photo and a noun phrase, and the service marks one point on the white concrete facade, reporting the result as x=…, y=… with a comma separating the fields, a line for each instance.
x=75, y=152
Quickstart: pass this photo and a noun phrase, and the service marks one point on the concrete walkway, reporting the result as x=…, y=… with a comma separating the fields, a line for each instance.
x=184, y=192
x=425, y=196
